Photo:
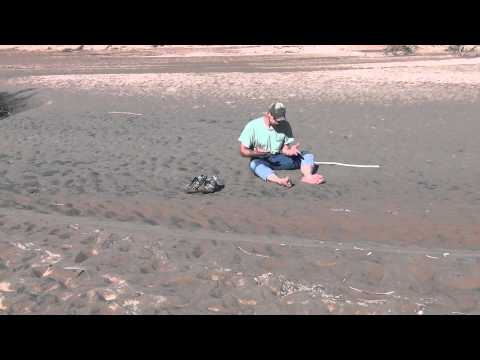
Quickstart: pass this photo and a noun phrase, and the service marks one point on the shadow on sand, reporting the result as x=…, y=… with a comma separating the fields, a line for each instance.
x=15, y=102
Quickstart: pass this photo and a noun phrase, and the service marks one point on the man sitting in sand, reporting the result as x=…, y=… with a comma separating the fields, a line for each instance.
x=268, y=142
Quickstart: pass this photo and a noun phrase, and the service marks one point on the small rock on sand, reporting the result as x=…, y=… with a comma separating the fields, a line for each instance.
x=159, y=299
x=107, y=294
x=5, y=287
x=114, y=280
x=247, y=302
x=131, y=305
x=3, y=307
x=114, y=307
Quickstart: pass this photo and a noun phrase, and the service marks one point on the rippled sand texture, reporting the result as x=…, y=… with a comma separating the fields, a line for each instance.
x=95, y=150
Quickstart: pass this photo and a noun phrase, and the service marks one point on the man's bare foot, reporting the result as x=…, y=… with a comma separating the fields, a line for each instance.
x=285, y=182
x=280, y=181
x=314, y=179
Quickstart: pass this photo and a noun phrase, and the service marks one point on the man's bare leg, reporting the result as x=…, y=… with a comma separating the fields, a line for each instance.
x=280, y=181
x=310, y=178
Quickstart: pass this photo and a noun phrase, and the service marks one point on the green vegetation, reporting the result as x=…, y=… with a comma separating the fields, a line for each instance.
x=400, y=49
x=463, y=50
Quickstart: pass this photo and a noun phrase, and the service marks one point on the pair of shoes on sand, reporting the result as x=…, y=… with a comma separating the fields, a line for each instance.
x=204, y=184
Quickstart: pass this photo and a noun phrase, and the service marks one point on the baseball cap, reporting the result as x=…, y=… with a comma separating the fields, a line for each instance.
x=278, y=111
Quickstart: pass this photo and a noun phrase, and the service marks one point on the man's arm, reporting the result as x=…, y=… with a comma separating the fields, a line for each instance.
x=288, y=148
x=246, y=152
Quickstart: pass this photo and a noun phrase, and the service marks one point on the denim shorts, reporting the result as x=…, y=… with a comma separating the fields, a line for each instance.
x=263, y=167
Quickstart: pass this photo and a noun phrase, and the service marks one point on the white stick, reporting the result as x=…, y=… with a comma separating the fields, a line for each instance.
x=74, y=268
x=342, y=164
x=122, y=112
x=248, y=253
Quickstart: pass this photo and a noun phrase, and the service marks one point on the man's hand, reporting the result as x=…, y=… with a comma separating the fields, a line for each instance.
x=261, y=152
x=292, y=151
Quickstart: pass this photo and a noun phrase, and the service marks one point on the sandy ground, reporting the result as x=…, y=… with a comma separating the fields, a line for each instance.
x=202, y=50
x=367, y=51
x=96, y=148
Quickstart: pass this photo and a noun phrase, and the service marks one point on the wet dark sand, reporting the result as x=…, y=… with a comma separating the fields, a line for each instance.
x=93, y=218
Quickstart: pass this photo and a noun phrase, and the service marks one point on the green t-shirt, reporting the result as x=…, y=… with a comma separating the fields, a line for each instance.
x=257, y=135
